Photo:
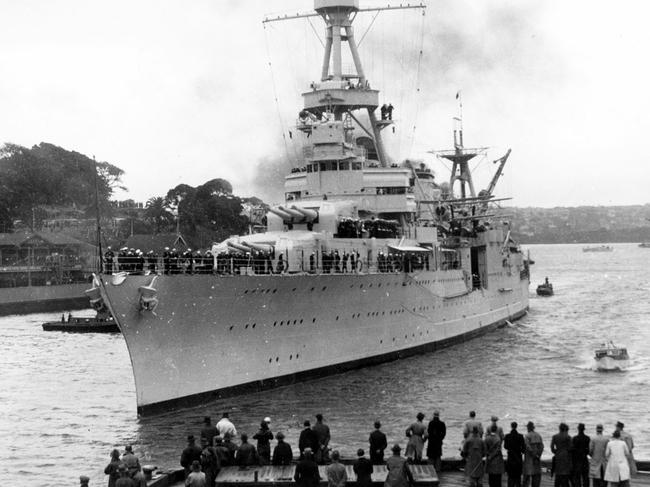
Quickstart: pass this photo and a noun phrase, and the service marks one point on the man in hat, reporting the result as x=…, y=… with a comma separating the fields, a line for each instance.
x=469, y=425
x=399, y=474
x=306, y=474
x=473, y=452
x=230, y=446
x=223, y=453
x=308, y=439
x=378, y=444
x=493, y=422
x=83, y=479
x=282, y=454
x=323, y=434
x=209, y=430
x=532, y=457
x=195, y=478
x=125, y=479
x=579, y=458
x=436, y=431
x=225, y=426
x=598, y=460
x=191, y=453
x=264, y=437
x=363, y=469
x=515, y=446
x=246, y=455
x=130, y=460
x=337, y=476
x=209, y=462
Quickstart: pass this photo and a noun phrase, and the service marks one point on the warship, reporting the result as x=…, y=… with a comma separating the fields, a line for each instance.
x=366, y=261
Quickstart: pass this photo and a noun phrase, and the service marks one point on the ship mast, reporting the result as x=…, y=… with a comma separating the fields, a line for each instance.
x=337, y=93
x=460, y=158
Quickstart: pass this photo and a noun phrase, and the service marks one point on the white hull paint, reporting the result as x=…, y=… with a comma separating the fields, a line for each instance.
x=216, y=333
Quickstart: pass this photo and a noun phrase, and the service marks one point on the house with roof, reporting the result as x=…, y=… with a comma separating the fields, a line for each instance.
x=37, y=258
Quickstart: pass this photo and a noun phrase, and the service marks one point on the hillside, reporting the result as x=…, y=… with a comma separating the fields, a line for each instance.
x=582, y=224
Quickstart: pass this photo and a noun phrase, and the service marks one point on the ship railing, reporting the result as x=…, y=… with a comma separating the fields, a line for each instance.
x=317, y=263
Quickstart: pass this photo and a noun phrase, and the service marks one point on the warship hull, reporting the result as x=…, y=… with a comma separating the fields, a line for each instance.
x=212, y=336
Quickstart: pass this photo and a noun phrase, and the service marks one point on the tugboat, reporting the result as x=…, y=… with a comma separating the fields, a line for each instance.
x=102, y=323
x=598, y=248
x=611, y=357
x=368, y=260
x=545, y=289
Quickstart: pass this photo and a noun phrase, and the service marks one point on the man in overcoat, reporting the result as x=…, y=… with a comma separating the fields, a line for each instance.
x=515, y=446
x=473, y=453
x=436, y=431
x=532, y=456
x=580, y=460
x=598, y=461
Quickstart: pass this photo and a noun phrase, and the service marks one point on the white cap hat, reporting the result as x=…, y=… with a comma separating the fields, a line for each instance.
x=267, y=420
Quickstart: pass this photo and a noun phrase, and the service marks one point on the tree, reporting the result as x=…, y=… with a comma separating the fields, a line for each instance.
x=47, y=175
x=158, y=214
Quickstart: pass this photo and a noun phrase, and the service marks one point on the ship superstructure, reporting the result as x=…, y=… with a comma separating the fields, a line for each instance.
x=366, y=261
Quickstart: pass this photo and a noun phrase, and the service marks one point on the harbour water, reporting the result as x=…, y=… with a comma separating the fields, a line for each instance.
x=66, y=400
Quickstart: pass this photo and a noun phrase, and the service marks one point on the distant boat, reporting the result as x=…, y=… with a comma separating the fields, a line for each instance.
x=645, y=245
x=102, y=323
x=611, y=357
x=598, y=248
x=545, y=289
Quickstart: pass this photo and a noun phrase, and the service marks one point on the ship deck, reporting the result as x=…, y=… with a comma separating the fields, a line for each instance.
x=424, y=476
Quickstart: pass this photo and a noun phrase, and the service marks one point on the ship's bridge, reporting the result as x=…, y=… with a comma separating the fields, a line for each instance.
x=377, y=189
x=344, y=93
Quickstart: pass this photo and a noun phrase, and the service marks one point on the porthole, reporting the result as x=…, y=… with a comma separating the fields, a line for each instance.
x=277, y=359
x=246, y=327
x=270, y=360
x=312, y=288
x=246, y=292
x=281, y=323
x=295, y=321
x=337, y=318
x=313, y=320
x=297, y=355
x=293, y=290
x=231, y=327
x=290, y=357
x=275, y=323
x=301, y=321
x=324, y=287
x=254, y=324
x=274, y=291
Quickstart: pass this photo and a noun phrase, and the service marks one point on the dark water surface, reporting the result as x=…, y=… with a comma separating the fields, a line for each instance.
x=66, y=400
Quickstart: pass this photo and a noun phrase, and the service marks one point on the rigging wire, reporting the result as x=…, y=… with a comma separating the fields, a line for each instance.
x=275, y=95
x=417, y=81
x=316, y=32
x=368, y=28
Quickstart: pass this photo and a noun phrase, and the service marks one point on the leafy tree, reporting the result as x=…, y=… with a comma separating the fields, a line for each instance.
x=47, y=175
x=158, y=214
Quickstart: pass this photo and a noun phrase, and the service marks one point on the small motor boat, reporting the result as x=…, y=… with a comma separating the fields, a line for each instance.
x=545, y=289
x=102, y=323
x=611, y=357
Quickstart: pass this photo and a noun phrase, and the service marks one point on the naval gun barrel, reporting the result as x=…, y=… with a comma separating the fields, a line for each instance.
x=260, y=247
x=240, y=247
x=310, y=215
x=282, y=214
x=293, y=213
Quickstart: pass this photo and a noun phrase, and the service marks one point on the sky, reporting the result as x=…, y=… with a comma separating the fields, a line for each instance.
x=183, y=92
